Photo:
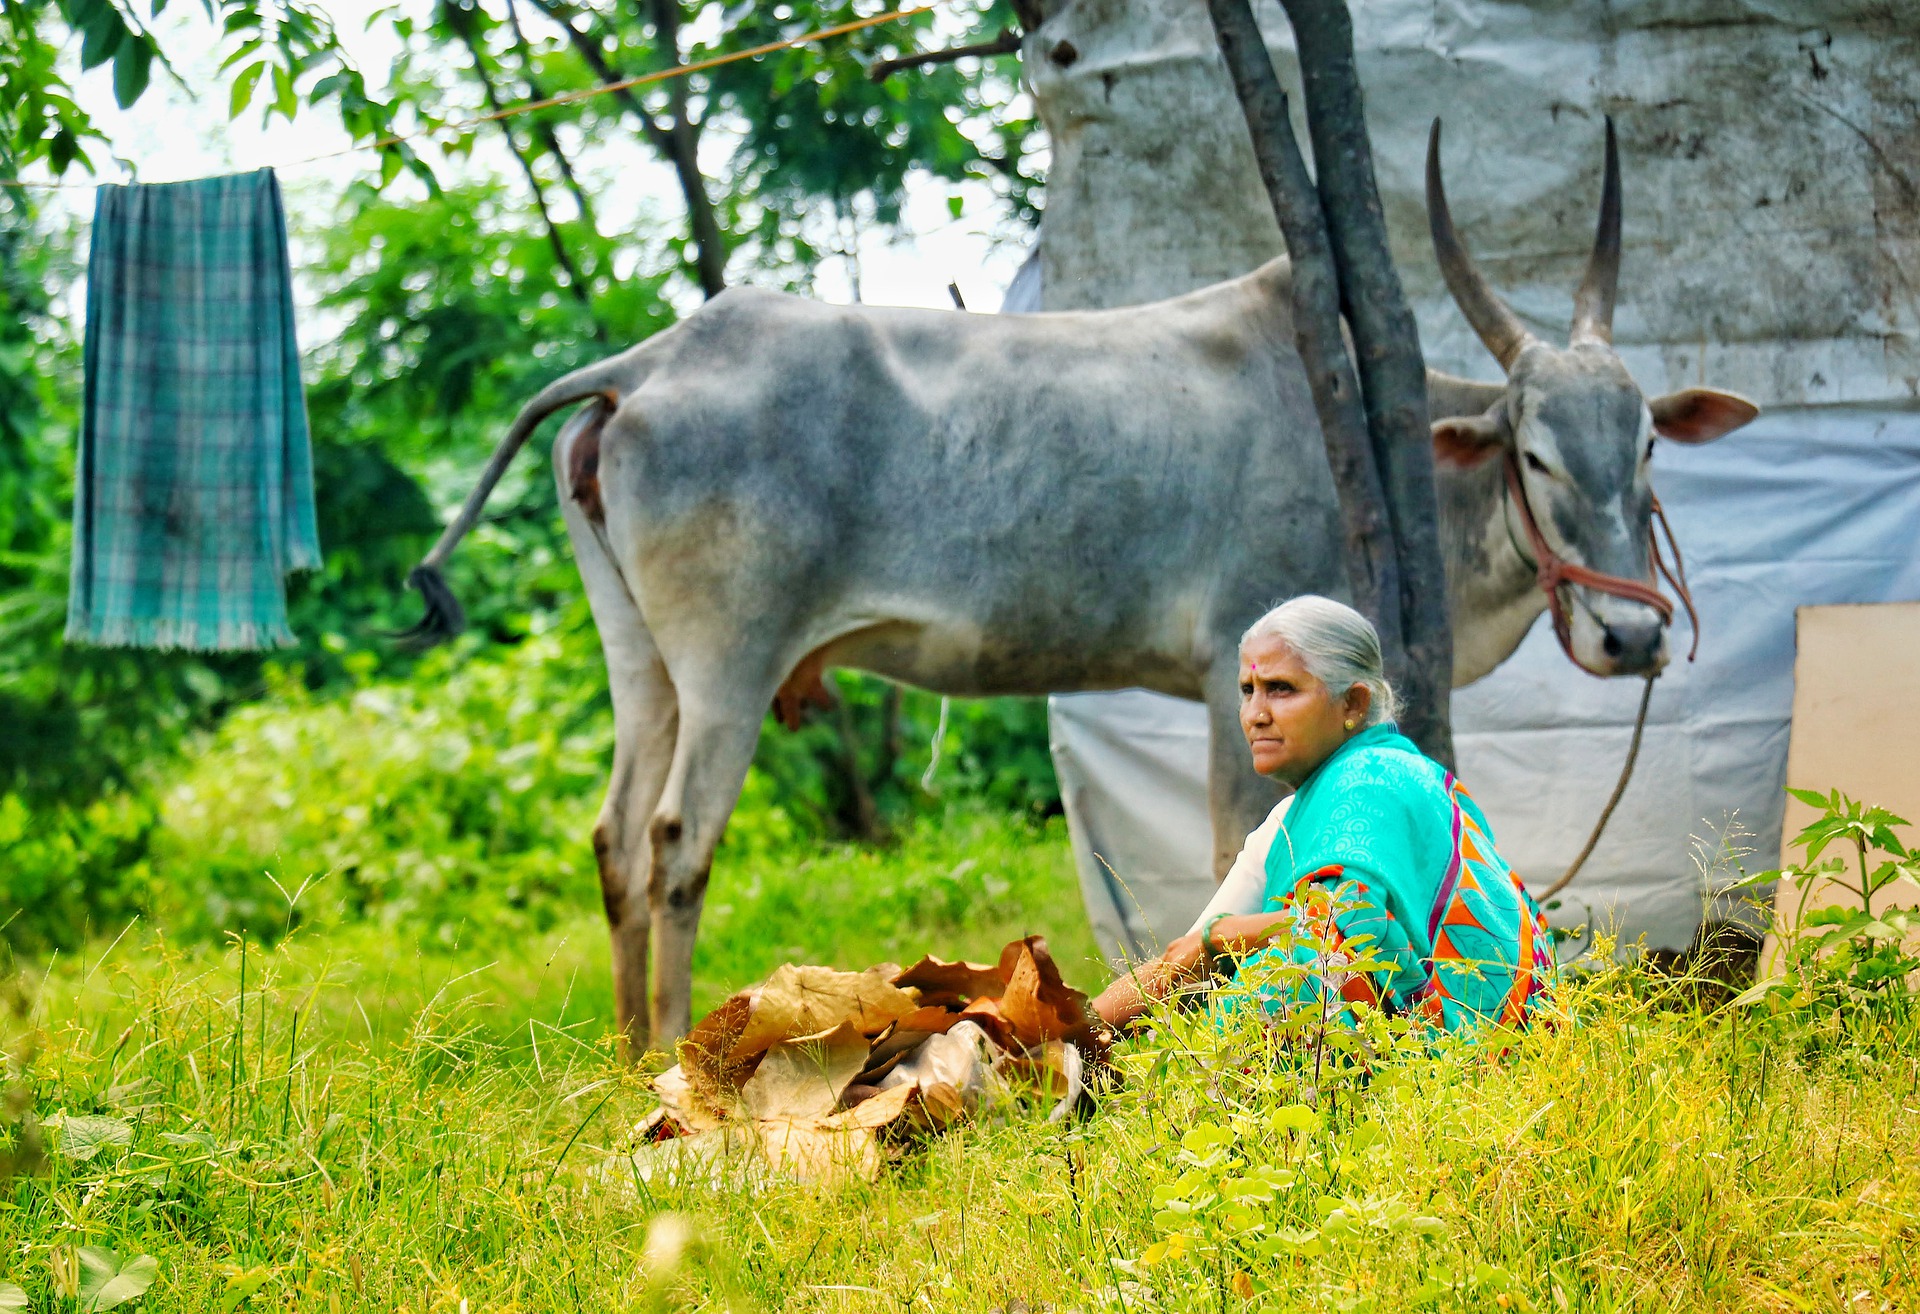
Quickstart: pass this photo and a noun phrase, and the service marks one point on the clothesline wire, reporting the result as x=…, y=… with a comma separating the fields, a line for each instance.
x=569, y=97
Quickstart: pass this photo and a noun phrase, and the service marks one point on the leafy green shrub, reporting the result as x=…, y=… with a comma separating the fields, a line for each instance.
x=1852, y=953
x=459, y=802
x=72, y=871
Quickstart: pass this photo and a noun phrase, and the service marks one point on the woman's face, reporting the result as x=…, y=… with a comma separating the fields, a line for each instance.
x=1291, y=720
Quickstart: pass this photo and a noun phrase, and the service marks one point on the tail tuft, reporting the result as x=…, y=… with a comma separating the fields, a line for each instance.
x=444, y=617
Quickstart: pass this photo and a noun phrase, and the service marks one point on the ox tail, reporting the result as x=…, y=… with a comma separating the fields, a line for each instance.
x=444, y=617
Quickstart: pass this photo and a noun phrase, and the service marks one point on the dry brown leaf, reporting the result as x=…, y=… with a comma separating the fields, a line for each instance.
x=891, y=1046
x=683, y=1104
x=928, y=1019
x=825, y=1155
x=880, y=1062
x=719, y=1156
x=985, y=1014
x=961, y=982
x=1037, y=1003
x=804, y=1001
x=940, y=1106
x=714, y=1070
x=804, y=1078
x=891, y=1042
x=878, y=1110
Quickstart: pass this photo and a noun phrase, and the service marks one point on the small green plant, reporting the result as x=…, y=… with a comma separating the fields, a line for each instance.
x=1851, y=951
x=1286, y=1169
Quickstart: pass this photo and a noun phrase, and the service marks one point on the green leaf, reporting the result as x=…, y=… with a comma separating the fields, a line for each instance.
x=102, y=38
x=12, y=1297
x=240, y=1286
x=239, y=56
x=1755, y=880
x=1844, y=920
x=243, y=89
x=132, y=67
x=1759, y=990
x=285, y=100
x=83, y=1138
x=1295, y=1117
x=107, y=1280
x=1809, y=797
x=1207, y=1136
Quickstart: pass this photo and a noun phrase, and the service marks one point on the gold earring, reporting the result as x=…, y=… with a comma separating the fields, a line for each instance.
x=1349, y=725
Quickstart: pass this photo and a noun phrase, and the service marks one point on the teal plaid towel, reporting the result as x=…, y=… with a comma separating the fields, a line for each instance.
x=194, y=494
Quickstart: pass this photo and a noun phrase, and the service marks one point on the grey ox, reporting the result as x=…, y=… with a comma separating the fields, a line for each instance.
x=1024, y=504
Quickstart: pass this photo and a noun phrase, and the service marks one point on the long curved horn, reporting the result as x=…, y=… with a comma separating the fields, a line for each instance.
x=1506, y=337
x=1593, y=303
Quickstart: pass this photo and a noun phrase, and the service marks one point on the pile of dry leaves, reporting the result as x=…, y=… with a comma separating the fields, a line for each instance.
x=820, y=1073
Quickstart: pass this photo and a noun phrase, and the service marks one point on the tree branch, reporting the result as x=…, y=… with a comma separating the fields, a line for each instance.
x=678, y=144
x=684, y=143
x=1371, y=561
x=1007, y=43
x=541, y=125
x=1393, y=374
x=561, y=256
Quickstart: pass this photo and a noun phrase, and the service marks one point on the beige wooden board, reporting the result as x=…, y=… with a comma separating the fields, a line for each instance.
x=1856, y=711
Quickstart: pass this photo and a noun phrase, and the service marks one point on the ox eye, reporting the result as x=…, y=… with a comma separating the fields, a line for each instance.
x=1649, y=455
x=1536, y=465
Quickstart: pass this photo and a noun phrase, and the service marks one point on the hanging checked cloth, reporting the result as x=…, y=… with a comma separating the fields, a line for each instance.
x=193, y=498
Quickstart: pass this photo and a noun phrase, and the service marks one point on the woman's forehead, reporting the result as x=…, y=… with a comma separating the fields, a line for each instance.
x=1269, y=654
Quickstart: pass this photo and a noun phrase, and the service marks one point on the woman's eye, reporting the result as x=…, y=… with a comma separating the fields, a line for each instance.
x=1537, y=465
x=1246, y=691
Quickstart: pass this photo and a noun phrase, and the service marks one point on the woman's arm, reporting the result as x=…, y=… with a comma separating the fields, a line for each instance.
x=1244, y=889
x=1234, y=909
x=1184, y=963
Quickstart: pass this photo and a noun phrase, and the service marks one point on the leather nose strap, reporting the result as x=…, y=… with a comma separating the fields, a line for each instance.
x=1553, y=570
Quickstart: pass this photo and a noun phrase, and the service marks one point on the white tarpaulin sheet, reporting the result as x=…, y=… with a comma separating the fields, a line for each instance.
x=1771, y=167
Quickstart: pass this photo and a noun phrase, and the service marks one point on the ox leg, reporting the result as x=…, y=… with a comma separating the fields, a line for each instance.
x=719, y=726
x=1238, y=797
x=645, y=719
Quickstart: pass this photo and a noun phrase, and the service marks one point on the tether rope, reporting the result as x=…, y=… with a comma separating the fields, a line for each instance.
x=569, y=97
x=1620, y=787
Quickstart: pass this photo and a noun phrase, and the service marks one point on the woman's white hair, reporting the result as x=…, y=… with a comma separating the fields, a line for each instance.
x=1338, y=646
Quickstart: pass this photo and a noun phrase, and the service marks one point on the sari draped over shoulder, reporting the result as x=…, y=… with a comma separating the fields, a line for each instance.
x=1382, y=842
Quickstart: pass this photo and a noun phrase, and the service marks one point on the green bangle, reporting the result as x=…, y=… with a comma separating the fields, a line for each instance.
x=1206, y=937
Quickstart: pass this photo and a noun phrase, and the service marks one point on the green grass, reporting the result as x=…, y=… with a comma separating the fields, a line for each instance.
x=367, y=1126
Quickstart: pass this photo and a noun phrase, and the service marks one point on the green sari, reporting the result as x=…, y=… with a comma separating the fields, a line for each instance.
x=1384, y=853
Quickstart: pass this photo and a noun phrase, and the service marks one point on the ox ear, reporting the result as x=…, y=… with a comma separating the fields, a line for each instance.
x=1463, y=441
x=1699, y=415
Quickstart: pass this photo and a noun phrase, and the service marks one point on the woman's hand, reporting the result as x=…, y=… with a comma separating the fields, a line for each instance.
x=1184, y=962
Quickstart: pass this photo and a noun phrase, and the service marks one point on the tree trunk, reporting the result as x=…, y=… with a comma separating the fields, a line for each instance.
x=1372, y=564
x=1393, y=373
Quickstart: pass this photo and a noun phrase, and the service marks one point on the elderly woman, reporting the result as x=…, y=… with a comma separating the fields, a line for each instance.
x=1376, y=841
